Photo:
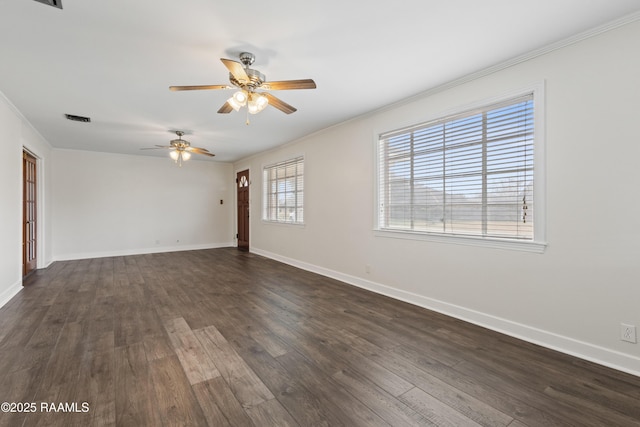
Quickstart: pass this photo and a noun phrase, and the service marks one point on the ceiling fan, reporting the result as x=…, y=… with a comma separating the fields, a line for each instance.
x=249, y=81
x=181, y=150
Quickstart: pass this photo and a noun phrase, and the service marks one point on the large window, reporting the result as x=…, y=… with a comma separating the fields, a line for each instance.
x=470, y=174
x=283, y=194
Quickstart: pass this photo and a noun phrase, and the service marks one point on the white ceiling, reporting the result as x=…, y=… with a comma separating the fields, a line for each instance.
x=113, y=60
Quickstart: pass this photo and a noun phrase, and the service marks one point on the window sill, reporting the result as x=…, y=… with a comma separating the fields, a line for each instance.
x=284, y=223
x=516, y=245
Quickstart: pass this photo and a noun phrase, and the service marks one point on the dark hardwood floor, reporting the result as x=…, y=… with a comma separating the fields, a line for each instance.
x=227, y=338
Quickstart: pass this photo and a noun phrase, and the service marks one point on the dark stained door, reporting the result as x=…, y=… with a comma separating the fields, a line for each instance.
x=242, y=184
x=29, y=208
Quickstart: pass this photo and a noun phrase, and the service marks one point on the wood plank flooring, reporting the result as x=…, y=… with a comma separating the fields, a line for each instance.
x=227, y=338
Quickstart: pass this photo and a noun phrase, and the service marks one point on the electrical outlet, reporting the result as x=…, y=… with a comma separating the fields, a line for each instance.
x=628, y=333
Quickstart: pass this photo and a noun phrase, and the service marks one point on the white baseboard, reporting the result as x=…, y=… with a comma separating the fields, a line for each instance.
x=142, y=251
x=10, y=293
x=593, y=353
x=46, y=264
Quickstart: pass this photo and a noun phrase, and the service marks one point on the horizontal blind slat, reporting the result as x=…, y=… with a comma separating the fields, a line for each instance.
x=434, y=175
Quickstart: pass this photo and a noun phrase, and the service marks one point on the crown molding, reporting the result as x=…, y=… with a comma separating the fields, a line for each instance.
x=576, y=38
x=22, y=118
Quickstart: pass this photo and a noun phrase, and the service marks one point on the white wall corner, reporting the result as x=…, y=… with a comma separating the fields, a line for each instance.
x=9, y=293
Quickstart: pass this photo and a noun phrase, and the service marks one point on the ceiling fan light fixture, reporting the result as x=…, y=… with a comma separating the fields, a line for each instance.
x=257, y=103
x=180, y=155
x=241, y=97
x=238, y=100
x=262, y=102
x=232, y=102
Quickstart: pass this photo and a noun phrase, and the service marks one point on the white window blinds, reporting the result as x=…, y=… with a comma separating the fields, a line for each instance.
x=470, y=174
x=283, y=192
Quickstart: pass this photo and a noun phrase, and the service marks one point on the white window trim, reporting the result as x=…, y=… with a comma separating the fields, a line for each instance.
x=264, y=201
x=284, y=224
x=539, y=242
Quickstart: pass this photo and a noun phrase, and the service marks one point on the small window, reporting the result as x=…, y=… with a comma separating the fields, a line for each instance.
x=469, y=174
x=283, y=194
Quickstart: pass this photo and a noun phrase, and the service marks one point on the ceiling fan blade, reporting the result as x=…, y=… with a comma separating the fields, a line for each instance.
x=236, y=69
x=225, y=109
x=279, y=104
x=202, y=87
x=289, y=85
x=202, y=151
x=196, y=149
x=157, y=147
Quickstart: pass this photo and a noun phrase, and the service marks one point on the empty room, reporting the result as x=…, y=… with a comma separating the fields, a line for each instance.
x=285, y=213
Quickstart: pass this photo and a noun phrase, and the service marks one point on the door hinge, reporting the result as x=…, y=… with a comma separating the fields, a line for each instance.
x=237, y=235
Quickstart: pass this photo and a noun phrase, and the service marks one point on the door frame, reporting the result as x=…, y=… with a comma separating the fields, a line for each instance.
x=235, y=204
x=40, y=207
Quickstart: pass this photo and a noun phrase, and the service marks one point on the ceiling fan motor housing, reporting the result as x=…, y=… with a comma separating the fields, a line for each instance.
x=256, y=78
x=179, y=143
x=247, y=58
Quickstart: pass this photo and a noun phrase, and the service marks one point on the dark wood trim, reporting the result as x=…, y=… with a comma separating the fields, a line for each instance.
x=243, y=195
x=29, y=214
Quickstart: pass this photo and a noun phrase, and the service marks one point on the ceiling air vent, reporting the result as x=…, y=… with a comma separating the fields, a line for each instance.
x=54, y=3
x=77, y=118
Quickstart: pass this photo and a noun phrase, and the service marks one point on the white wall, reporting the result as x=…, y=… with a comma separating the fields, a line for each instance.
x=16, y=134
x=110, y=204
x=572, y=297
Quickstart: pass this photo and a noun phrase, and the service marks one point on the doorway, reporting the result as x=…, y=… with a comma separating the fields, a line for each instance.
x=29, y=217
x=242, y=184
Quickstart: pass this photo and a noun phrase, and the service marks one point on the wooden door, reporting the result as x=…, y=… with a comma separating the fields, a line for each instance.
x=242, y=184
x=29, y=208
